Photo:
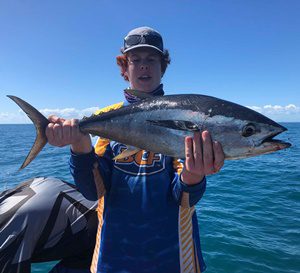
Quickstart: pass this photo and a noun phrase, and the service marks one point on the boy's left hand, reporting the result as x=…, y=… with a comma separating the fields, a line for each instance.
x=202, y=157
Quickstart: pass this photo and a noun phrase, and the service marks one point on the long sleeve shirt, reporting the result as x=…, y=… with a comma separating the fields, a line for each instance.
x=147, y=218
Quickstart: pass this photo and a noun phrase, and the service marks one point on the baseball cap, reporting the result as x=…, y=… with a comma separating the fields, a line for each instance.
x=143, y=37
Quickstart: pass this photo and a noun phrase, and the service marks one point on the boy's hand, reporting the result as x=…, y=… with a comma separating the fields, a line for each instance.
x=61, y=132
x=203, y=157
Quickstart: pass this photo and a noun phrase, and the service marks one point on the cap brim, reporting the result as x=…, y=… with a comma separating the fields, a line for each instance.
x=142, y=45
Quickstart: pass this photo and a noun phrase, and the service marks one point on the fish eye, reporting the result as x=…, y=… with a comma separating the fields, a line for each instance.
x=249, y=130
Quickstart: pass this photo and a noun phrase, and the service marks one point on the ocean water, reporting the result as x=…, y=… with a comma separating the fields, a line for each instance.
x=249, y=217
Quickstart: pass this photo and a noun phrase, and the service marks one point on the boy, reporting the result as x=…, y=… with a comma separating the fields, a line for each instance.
x=147, y=219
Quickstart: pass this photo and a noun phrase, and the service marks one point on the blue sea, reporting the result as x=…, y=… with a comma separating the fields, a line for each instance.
x=249, y=217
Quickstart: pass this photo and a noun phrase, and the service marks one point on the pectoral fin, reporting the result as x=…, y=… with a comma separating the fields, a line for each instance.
x=128, y=152
x=183, y=125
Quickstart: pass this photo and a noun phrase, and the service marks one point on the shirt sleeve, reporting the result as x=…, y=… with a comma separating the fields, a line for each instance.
x=186, y=195
x=92, y=171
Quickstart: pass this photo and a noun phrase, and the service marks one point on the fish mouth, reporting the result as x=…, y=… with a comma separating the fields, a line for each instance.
x=277, y=144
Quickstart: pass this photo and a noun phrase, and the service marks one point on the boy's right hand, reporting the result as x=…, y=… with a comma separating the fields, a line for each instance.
x=61, y=132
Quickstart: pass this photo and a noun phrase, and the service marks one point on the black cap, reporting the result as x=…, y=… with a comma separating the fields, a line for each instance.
x=143, y=37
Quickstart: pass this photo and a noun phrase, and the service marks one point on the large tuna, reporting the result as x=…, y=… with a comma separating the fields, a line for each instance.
x=160, y=124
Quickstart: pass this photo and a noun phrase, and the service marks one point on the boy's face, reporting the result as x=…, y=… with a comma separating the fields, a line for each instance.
x=144, y=69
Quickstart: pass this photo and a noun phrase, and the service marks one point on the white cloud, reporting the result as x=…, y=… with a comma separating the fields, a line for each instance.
x=290, y=112
x=67, y=113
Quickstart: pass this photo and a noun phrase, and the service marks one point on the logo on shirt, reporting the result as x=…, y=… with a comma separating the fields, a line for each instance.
x=141, y=163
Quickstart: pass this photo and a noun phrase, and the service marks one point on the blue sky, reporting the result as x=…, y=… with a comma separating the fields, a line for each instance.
x=60, y=55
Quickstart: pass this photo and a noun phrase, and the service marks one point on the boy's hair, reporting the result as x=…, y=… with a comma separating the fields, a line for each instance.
x=122, y=61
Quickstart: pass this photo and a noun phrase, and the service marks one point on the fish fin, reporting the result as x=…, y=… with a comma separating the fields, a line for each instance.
x=40, y=122
x=139, y=94
x=128, y=152
x=183, y=125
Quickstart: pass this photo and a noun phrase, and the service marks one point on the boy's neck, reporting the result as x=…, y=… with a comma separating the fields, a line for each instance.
x=132, y=95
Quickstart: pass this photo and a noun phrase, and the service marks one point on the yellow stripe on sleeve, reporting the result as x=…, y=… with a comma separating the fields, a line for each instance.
x=100, y=210
x=186, y=241
x=109, y=108
x=177, y=166
x=101, y=145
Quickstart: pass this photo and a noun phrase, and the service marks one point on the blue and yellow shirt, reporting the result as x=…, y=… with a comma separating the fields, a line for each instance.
x=147, y=218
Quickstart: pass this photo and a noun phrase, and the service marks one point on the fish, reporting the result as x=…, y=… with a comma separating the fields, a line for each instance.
x=160, y=124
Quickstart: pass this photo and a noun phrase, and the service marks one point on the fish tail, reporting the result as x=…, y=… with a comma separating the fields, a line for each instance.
x=40, y=123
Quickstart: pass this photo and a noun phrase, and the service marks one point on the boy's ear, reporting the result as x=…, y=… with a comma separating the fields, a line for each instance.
x=125, y=73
